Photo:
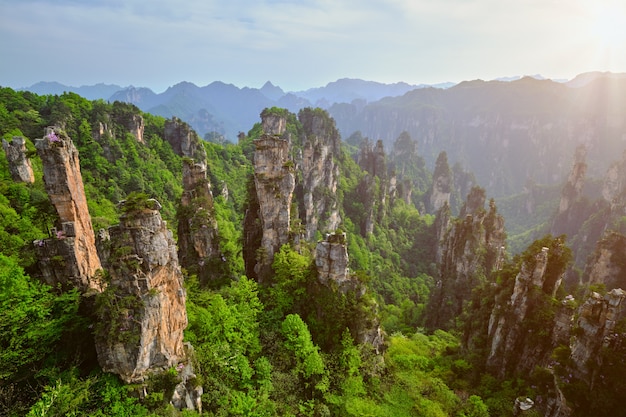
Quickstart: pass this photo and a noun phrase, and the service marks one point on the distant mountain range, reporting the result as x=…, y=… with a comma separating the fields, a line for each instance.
x=495, y=128
x=227, y=109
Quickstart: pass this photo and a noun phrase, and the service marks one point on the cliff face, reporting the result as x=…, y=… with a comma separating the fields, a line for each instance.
x=197, y=227
x=184, y=140
x=142, y=313
x=595, y=326
x=614, y=183
x=526, y=128
x=525, y=327
x=376, y=186
x=331, y=261
x=19, y=165
x=470, y=249
x=442, y=184
x=575, y=181
x=607, y=265
x=372, y=158
x=320, y=172
x=274, y=181
x=70, y=257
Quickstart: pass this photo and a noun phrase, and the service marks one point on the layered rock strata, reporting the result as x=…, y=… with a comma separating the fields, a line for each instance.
x=441, y=188
x=70, y=256
x=595, y=326
x=142, y=312
x=519, y=341
x=19, y=164
x=606, y=265
x=274, y=181
x=320, y=172
x=469, y=250
x=197, y=227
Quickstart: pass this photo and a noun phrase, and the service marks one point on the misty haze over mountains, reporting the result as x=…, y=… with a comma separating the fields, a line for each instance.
x=526, y=128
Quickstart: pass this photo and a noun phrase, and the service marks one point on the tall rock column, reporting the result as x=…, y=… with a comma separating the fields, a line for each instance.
x=524, y=331
x=70, y=257
x=197, y=226
x=442, y=183
x=320, y=172
x=596, y=322
x=274, y=181
x=469, y=250
x=142, y=312
x=19, y=165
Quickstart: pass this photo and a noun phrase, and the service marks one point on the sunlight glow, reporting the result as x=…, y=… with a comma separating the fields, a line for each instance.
x=609, y=24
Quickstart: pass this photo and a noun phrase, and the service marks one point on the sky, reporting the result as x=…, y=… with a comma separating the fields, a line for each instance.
x=303, y=44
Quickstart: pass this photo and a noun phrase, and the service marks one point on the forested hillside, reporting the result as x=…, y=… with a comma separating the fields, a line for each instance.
x=317, y=277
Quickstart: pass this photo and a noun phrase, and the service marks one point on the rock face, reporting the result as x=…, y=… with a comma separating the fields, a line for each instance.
x=596, y=322
x=442, y=184
x=615, y=183
x=71, y=256
x=134, y=124
x=470, y=249
x=142, y=312
x=572, y=209
x=521, y=334
x=575, y=181
x=372, y=158
x=19, y=164
x=197, y=227
x=331, y=261
x=376, y=186
x=320, y=172
x=606, y=266
x=184, y=140
x=274, y=181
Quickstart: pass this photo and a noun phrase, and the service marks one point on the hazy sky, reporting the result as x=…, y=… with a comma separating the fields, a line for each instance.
x=303, y=44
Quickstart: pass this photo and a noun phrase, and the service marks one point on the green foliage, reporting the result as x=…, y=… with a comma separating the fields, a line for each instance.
x=33, y=320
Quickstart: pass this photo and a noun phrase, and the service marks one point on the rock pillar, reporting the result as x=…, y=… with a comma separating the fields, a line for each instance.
x=70, y=256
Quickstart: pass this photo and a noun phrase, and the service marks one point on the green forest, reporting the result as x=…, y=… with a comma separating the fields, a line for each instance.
x=287, y=345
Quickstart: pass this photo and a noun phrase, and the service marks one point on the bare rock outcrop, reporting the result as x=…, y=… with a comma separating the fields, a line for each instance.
x=197, y=227
x=442, y=183
x=184, y=140
x=575, y=181
x=274, y=181
x=19, y=164
x=595, y=326
x=372, y=158
x=142, y=312
x=615, y=182
x=607, y=264
x=320, y=172
x=331, y=261
x=469, y=250
x=70, y=256
x=522, y=332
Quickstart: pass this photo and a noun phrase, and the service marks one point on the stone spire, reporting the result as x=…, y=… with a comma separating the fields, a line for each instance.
x=19, y=165
x=320, y=172
x=70, y=257
x=197, y=228
x=142, y=313
x=274, y=181
x=470, y=249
